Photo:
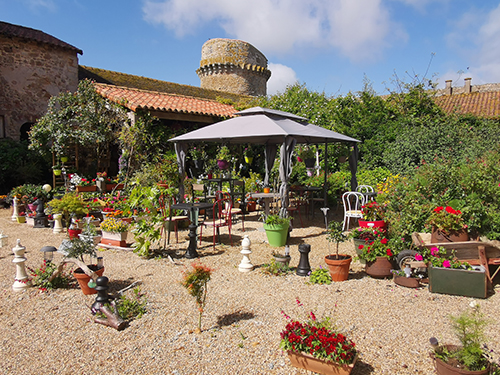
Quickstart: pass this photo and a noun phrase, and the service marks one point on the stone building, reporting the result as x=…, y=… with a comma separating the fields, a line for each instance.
x=33, y=67
x=233, y=66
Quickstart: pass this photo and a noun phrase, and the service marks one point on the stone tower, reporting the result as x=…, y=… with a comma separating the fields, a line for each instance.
x=233, y=66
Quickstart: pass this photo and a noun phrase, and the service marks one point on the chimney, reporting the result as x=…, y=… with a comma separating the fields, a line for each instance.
x=467, y=86
x=448, y=89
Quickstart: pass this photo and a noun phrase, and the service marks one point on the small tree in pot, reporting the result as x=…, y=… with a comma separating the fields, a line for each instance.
x=338, y=264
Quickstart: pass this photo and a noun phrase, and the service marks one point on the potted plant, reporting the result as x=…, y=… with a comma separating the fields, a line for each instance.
x=114, y=232
x=70, y=205
x=408, y=277
x=248, y=154
x=198, y=156
x=77, y=249
x=57, y=170
x=223, y=157
x=360, y=236
x=21, y=218
x=337, y=264
x=373, y=215
x=377, y=254
x=83, y=184
x=282, y=258
x=89, y=231
x=316, y=346
x=447, y=225
x=276, y=228
x=472, y=355
x=450, y=276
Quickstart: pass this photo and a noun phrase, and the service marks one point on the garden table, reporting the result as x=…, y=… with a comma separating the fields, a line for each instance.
x=193, y=209
x=312, y=190
x=267, y=200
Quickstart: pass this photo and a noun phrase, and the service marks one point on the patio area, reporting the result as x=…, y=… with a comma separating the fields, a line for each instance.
x=54, y=332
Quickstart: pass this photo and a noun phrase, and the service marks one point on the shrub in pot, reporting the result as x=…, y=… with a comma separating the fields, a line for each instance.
x=338, y=264
x=472, y=355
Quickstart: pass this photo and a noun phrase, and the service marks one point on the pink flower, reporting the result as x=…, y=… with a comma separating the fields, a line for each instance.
x=446, y=264
x=419, y=257
x=434, y=251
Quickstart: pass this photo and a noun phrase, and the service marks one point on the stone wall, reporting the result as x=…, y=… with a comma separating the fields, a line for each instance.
x=233, y=66
x=30, y=73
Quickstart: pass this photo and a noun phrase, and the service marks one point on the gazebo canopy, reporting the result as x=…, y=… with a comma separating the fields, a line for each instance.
x=263, y=126
x=270, y=127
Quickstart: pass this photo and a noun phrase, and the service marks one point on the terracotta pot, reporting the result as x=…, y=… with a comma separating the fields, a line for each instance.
x=439, y=237
x=379, y=268
x=372, y=224
x=339, y=268
x=110, y=187
x=252, y=206
x=408, y=282
x=83, y=278
x=308, y=362
x=267, y=190
x=443, y=368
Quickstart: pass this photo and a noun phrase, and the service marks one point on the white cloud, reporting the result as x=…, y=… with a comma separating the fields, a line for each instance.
x=281, y=77
x=37, y=4
x=476, y=36
x=357, y=29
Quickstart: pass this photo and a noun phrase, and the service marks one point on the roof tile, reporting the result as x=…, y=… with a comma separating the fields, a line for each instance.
x=482, y=104
x=135, y=99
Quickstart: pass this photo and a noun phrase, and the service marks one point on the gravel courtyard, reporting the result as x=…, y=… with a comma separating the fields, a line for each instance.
x=54, y=333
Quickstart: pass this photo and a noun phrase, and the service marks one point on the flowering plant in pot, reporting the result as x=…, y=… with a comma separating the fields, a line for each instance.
x=114, y=225
x=447, y=225
x=316, y=345
x=373, y=215
x=377, y=254
x=472, y=355
x=338, y=264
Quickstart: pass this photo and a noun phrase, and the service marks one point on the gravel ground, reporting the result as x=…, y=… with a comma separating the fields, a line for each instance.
x=54, y=333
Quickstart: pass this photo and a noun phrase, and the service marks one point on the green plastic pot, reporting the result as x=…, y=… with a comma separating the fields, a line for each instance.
x=277, y=234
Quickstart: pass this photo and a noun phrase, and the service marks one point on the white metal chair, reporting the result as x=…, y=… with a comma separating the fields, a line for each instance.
x=365, y=189
x=352, y=201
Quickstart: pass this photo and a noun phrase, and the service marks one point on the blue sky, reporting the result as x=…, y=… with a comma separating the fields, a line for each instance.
x=328, y=45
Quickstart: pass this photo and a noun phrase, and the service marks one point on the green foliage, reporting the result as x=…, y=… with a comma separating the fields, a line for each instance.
x=79, y=247
x=336, y=234
x=133, y=307
x=320, y=276
x=473, y=185
x=276, y=268
x=224, y=153
x=19, y=165
x=163, y=169
x=84, y=118
x=274, y=220
x=469, y=328
x=41, y=277
x=70, y=204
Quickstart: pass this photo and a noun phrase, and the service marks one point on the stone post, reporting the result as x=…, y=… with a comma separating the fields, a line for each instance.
x=245, y=265
x=22, y=281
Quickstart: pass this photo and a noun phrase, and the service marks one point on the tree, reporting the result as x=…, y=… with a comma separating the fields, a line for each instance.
x=81, y=118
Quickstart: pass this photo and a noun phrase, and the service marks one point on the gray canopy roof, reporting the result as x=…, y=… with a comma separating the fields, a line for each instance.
x=262, y=125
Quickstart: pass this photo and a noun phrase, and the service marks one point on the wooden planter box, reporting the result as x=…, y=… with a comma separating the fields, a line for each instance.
x=114, y=239
x=85, y=189
x=458, y=282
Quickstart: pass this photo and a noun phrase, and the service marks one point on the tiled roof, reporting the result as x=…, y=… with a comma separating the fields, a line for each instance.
x=482, y=104
x=11, y=30
x=143, y=83
x=135, y=99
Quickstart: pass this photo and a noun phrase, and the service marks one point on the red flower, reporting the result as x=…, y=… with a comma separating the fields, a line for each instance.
x=438, y=209
x=383, y=241
x=389, y=252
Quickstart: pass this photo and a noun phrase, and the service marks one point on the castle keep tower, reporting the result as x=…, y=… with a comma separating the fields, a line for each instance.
x=233, y=66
